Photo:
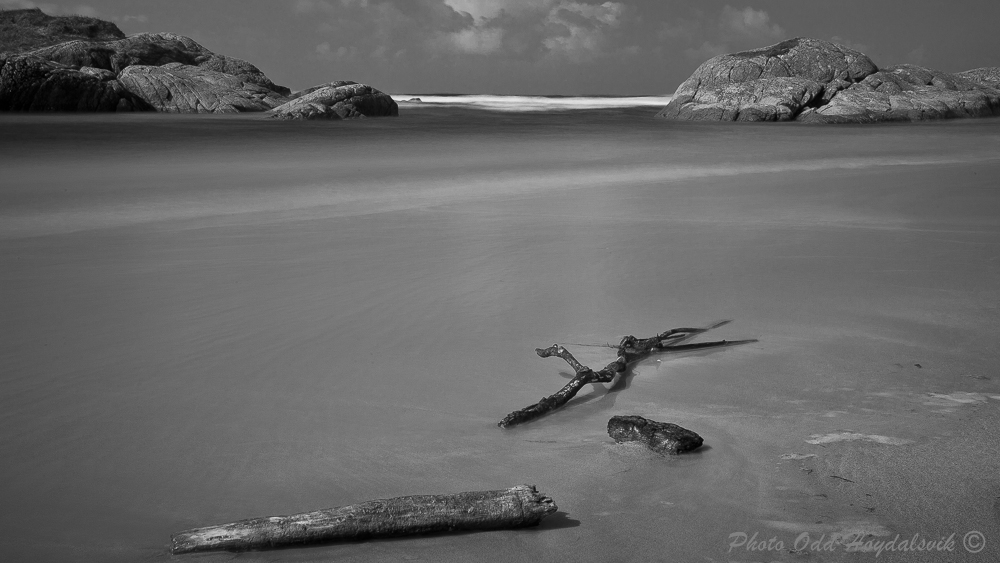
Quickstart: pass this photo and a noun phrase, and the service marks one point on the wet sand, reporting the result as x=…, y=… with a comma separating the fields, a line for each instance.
x=217, y=318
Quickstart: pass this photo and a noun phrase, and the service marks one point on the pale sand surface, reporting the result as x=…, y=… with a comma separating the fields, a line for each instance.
x=213, y=319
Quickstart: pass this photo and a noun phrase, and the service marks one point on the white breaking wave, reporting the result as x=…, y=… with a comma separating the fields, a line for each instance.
x=532, y=103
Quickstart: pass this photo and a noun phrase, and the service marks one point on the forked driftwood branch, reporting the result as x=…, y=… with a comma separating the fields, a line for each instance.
x=630, y=350
x=517, y=507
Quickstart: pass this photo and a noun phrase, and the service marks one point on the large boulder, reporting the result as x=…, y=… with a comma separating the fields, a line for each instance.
x=337, y=100
x=907, y=93
x=29, y=83
x=770, y=84
x=153, y=49
x=181, y=88
x=773, y=99
x=23, y=30
x=822, y=82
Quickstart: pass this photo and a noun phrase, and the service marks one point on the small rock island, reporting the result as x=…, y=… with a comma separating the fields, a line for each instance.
x=83, y=64
x=815, y=81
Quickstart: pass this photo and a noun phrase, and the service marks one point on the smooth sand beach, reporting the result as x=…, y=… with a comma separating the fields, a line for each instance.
x=214, y=318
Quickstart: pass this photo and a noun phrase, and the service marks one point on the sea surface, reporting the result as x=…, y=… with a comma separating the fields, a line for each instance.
x=211, y=318
x=522, y=104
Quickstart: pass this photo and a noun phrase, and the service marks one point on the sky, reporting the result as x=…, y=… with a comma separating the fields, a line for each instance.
x=544, y=47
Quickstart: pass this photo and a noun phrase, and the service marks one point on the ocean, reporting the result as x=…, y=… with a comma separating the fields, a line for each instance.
x=211, y=318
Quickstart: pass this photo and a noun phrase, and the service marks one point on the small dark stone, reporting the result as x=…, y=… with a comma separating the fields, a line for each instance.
x=661, y=437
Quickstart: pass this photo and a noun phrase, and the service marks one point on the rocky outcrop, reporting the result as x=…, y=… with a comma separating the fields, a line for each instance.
x=153, y=49
x=148, y=71
x=29, y=83
x=907, y=93
x=821, y=82
x=770, y=84
x=337, y=100
x=181, y=88
x=987, y=76
x=84, y=64
x=23, y=30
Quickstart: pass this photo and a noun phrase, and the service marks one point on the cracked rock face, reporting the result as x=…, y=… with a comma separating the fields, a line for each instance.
x=153, y=49
x=987, y=76
x=661, y=437
x=30, y=83
x=769, y=84
x=146, y=72
x=83, y=64
x=908, y=93
x=181, y=88
x=822, y=82
x=337, y=100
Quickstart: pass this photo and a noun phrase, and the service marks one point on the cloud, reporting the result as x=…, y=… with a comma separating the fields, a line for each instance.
x=916, y=56
x=579, y=31
x=750, y=24
x=22, y=4
x=476, y=40
x=84, y=10
x=705, y=51
x=850, y=44
x=491, y=8
x=381, y=27
x=520, y=29
x=309, y=6
x=51, y=9
x=126, y=19
x=677, y=29
x=327, y=53
x=702, y=36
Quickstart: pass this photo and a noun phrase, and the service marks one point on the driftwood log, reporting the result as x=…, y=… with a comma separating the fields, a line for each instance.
x=661, y=437
x=517, y=507
x=630, y=350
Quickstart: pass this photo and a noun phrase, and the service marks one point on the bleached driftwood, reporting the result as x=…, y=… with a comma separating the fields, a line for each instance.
x=630, y=350
x=516, y=507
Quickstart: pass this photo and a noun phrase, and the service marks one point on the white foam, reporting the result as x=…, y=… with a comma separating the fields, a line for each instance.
x=797, y=456
x=846, y=530
x=956, y=398
x=533, y=103
x=854, y=436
